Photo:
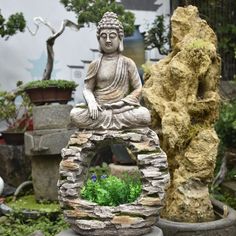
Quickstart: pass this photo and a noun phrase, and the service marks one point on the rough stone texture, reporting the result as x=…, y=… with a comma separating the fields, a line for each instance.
x=45, y=175
x=182, y=93
x=137, y=218
x=51, y=116
x=120, y=170
x=43, y=145
x=44, y=148
x=46, y=142
x=15, y=166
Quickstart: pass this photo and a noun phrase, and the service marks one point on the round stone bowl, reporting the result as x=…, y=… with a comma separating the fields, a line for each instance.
x=137, y=218
x=225, y=226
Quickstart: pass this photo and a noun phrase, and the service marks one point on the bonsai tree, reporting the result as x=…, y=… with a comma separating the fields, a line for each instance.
x=158, y=36
x=61, y=89
x=88, y=11
x=12, y=25
x=16, y=116
x=51, y=40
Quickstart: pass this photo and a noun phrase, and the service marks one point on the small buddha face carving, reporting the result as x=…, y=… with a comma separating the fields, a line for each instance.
x=109, y=40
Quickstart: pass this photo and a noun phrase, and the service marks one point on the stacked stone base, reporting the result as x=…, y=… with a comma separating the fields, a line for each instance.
x=137, y=218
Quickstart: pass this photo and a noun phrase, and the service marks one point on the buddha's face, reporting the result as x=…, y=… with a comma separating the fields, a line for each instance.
x=109, y=40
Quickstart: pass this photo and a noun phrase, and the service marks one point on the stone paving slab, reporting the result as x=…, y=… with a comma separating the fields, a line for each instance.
x=69, y=232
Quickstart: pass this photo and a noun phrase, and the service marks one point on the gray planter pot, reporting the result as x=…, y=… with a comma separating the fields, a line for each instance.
x=221, y=227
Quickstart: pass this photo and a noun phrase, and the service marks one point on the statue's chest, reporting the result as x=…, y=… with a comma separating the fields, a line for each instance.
x=106, y=73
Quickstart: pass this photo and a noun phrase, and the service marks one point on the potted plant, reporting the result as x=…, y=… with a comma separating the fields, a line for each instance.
x=47, y=90
x=16, y=112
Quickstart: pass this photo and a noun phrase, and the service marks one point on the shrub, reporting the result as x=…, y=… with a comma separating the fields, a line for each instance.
x=226, y=125
x=18, y=226
x=17, y=116
x=111, y=190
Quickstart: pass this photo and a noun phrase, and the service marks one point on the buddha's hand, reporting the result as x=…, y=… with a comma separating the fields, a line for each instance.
x=93, y=110
x=114, y=105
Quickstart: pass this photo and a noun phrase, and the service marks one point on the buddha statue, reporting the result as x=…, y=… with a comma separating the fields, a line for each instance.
x=112, y=87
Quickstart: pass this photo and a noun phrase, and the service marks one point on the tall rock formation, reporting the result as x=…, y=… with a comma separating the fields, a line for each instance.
x=182, y=94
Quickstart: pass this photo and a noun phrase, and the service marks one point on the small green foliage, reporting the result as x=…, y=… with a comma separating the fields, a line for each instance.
x=92, y=12
x=158, y=36
x=231, y=174
x=224, y=197
x=99, y=170
x=19, y=226
x=226, y=125
x=111, y=190
x=147, y=68
x=16, y=115
x=65, y=84
x=14, y=23
x=28, y=202
x=199, y=43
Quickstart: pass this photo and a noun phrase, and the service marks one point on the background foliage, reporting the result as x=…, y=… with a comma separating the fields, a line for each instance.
x=10, y=26
x=226, y=125
x=91, y=11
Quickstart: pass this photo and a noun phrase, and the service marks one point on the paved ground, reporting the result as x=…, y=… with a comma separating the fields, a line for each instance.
x=155, y=232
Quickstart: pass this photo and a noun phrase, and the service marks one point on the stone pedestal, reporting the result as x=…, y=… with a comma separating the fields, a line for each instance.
x=51, y=116
x=15, y=166
x=45, y=175
x=44, y=146
x=90, y=219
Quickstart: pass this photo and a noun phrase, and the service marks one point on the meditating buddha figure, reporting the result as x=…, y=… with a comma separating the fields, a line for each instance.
x=112, y=87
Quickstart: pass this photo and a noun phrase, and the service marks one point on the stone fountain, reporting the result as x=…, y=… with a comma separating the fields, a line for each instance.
x=112, y=115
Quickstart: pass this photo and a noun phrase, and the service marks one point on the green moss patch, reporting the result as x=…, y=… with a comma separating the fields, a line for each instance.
x=28, y=202
x=63, y=84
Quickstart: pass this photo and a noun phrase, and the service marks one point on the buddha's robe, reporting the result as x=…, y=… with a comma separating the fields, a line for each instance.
x=126, y=86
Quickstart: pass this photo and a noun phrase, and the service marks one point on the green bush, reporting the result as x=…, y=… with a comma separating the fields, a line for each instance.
x=111, y=190
x=226, y=125
x=16, y=115
x=19, y=226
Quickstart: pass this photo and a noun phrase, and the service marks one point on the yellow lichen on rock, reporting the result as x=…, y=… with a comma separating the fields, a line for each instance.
x=181, y=92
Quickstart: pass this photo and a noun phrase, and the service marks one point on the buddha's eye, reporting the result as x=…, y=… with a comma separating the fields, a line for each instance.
x=112, y=35
x=103, y=35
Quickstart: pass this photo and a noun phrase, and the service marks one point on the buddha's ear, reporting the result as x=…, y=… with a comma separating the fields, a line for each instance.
x=100, y=48
x=121, y=45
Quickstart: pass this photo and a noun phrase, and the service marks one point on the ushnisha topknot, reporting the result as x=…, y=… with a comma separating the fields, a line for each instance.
x=110, y=21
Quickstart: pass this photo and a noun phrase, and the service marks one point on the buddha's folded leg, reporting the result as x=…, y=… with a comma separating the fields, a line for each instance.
x=80, y=117
x=137, y=117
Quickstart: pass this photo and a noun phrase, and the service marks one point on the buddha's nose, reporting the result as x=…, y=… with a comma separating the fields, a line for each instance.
x=108, y=39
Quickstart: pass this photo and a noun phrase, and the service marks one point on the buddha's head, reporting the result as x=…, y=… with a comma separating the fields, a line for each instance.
x=110, y=33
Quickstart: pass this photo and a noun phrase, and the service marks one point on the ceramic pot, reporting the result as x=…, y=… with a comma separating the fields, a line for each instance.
x=41, y=96
x=13, y=138
x=221, y=227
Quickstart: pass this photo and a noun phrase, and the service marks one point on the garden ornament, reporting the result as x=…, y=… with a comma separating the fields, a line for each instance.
x=112, y=117
x=112, y=85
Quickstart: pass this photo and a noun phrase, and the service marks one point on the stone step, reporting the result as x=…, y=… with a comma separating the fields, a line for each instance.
x=229, y=187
